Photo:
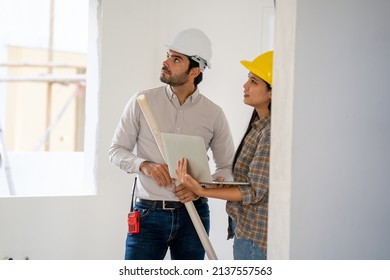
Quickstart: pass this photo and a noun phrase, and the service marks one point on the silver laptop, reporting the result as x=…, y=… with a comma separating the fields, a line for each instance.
x=177, y=146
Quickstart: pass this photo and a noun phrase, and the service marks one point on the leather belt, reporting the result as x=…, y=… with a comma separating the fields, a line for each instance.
x=168, y=205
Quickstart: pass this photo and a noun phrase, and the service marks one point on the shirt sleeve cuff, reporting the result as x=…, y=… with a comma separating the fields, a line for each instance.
x=138, y=163
x=245, y=194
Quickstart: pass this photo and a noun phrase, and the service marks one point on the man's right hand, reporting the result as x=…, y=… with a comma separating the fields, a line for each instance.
x=158, y=171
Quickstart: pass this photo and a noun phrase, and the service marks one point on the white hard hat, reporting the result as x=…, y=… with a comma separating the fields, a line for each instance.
x=194, y=43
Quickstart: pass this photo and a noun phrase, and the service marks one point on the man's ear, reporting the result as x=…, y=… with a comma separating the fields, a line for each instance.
x=195, y=72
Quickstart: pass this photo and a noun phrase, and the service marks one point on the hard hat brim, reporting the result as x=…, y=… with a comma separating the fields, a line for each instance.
x=182, y=51
x=249, y=65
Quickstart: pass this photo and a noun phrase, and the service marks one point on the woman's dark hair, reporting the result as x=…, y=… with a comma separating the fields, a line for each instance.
x=254, y=117
x=194, y=64
x=252, y=120
x=269, y=87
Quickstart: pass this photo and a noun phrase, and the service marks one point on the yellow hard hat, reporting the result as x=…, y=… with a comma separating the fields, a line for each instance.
x=261, y=66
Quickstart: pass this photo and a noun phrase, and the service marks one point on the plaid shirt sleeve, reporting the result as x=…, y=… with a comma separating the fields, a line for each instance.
x=258, y=148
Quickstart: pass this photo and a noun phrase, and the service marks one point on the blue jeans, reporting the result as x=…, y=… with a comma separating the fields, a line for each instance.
x=162, y=229
x=245, y=249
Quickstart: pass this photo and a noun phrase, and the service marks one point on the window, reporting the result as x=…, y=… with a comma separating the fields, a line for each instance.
x=43, y=58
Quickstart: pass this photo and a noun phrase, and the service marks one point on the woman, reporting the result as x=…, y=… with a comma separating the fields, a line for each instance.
x=247, y=206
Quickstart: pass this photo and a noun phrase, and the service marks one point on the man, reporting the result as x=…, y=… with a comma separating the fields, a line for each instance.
x=178, y=107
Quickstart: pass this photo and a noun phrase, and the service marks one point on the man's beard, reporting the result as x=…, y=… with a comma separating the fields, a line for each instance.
x=174, y=80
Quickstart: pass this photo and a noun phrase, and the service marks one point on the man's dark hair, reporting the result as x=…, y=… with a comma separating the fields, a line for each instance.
x=194, y=64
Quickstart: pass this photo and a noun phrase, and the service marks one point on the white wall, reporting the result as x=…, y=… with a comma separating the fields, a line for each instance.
x=127, y=37
x=330, y=179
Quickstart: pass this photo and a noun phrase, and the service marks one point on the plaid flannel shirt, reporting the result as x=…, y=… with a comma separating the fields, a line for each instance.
x=251, y=214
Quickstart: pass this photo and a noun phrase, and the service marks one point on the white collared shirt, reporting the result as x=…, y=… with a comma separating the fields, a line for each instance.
x=133, y=142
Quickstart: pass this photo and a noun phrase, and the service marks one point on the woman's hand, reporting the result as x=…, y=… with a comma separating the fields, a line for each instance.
x=186, y=179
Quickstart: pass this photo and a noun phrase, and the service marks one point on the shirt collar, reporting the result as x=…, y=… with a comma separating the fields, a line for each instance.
x=171, y=95
x=260, y=123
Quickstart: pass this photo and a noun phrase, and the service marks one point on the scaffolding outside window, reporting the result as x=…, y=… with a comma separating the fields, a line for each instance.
x=42, y=91
x=45, y=100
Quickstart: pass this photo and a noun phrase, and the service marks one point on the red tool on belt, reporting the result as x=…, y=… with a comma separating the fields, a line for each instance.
x=133, y=216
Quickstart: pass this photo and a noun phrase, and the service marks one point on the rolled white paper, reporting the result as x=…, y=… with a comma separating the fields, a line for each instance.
x=151, y=122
